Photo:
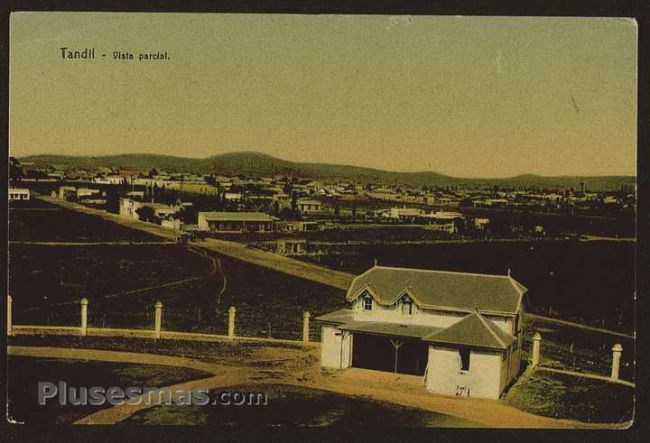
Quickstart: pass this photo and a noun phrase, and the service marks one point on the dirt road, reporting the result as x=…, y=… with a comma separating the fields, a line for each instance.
x=299, y=367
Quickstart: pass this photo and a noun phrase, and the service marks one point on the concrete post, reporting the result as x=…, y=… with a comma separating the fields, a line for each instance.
x=305, y=327
x=158, y=318
x=231, y=322
x=84, y=316
x=10, y=329
x=537, y=338
x=616, y=359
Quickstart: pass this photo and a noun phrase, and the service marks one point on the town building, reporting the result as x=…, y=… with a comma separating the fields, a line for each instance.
x=236, y=222
x=462, y=332
x=309, y=207
x=405, y=214
x=131, y=208
x=291, y=247
x=18, y=194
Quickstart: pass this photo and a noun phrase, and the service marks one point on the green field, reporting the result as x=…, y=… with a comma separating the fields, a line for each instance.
x=565, y=396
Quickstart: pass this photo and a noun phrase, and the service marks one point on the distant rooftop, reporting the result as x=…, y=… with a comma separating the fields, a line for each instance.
x=237, y=216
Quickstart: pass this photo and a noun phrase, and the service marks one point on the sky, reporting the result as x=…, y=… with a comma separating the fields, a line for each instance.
x=462, y=96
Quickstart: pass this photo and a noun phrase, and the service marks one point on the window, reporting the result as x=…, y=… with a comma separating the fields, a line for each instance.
x=464, y=359
x=407, y=306
x=367, y=303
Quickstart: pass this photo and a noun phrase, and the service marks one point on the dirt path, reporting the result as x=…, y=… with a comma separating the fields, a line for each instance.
x=579, y=326
x=294, y=367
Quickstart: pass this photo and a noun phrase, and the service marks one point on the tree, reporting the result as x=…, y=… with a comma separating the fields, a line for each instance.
x=188, y=215
x=294, y=201
x=112, y=200
x=146, y=213
x=15, y=170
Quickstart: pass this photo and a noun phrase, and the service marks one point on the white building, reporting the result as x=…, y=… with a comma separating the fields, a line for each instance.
x=462, y=332
x=129, y=208
x=109, y=180
x=309, y=206
x=16, y=194
x=405, y=213
x=236, y=222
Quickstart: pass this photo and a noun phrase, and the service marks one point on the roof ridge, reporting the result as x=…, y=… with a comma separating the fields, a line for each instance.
x=440, y=271
x=494, y=334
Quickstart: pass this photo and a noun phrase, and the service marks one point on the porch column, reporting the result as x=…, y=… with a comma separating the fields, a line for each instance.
x=231, y=322
x=396, y=344
x=84, y=316
x=537, y=338
x=158, y=318
x=10, y=329
x=305, y=327
x=616, y=360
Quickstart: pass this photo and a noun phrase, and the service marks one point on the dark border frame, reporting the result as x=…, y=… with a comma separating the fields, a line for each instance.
x=587, y=8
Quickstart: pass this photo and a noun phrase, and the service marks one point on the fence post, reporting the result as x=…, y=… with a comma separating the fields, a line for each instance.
x=616, y=359
x=231, y=322
x=84, y=317
x=305, y=327
x=10, y=328
x=537, y=338
x=158, y=318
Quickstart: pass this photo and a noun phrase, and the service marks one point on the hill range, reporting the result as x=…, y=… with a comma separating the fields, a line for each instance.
x=254, y=164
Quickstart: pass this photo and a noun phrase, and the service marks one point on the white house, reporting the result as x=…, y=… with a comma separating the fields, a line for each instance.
x=405, y=213
x=462, y=332
x=129, y=208
x=18, y=194
x=236, y=222
x=309, y=206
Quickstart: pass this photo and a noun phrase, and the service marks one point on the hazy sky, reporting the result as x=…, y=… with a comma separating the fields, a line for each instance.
x=464, y=96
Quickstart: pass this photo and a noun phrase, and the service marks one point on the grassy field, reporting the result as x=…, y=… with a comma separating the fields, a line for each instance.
x=37, y=220
x=25, y=373
x=309, y=407
x=269, y=303
x=574, y=349
x=41, y=278
x=588, y=282
x=565, y=396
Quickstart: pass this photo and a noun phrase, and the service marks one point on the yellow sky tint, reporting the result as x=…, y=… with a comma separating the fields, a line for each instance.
x=464, y=96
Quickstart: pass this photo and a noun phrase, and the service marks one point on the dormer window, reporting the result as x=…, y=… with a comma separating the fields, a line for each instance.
x=407, y=305
x=367, y=303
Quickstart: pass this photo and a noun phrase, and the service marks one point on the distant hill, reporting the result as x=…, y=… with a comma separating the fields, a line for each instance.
x=255, y=164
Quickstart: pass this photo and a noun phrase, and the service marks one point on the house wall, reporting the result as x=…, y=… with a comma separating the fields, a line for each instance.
x=445, y=377
x=336, y=350
x=202, y=223
x=129, y=208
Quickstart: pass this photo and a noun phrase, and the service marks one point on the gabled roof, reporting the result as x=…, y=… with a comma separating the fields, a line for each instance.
x=443, y=290
x=474, y=330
